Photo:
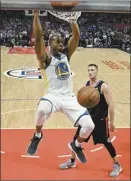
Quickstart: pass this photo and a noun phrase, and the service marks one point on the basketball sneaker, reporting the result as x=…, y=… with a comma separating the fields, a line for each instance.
x=116, y=170
x=78, y=152
x=32, y=148
x=67, y=165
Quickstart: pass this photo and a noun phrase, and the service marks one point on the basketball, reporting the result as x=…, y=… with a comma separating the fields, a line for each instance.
x=88, y=97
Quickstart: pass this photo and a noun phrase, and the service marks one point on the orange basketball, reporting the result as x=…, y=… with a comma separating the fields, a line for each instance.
x=88, y=97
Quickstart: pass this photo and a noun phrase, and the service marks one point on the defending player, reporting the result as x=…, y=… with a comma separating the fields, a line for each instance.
x=100, y=115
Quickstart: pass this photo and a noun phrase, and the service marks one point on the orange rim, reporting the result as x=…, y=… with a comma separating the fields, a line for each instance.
x=64, y=4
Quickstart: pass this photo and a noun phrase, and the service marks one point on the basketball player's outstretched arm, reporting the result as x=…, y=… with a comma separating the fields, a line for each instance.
x=74, y=40
x=39, y=41
x=108, y=97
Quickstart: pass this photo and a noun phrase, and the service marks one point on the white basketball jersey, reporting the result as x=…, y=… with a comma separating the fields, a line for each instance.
x=59, y=76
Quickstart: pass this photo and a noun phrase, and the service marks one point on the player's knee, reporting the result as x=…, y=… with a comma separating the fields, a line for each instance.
x=87, y=126
x=43, y=112
x=86, y=122
x=90, y=125
x=44, y=108
x=86, y=131
x=110, y=149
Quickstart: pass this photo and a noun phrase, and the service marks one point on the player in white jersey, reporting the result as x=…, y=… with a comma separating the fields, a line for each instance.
x=59, y=96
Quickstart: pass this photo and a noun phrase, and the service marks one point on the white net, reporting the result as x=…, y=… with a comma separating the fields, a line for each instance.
x=66, y=16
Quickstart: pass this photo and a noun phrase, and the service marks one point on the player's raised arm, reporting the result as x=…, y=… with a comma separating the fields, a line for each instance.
x=74, y=40
x=39, y=41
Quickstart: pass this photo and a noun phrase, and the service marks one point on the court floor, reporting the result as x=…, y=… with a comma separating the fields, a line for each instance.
x=22, y=87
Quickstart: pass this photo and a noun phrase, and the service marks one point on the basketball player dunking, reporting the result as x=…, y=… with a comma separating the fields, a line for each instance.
x=59, y=96
x=100, y=115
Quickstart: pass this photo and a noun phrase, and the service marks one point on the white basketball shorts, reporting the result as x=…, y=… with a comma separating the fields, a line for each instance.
x=66, y=104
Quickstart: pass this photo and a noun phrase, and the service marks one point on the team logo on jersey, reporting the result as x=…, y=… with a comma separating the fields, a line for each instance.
x=62, y=71
x=26, y=73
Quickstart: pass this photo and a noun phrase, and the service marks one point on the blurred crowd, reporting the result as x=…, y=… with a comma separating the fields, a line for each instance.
x=102, y=30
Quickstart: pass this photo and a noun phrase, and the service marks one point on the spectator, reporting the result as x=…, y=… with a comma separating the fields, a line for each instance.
x=97, y=29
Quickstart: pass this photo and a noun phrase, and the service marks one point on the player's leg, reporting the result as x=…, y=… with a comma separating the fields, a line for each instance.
x=111, y=150
x=87, y=127
x=116, y=167
x=80, y=116
x=101, y=135
x=44, y=110
x=71, y=162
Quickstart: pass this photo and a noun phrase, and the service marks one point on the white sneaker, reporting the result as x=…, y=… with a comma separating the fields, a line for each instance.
x=116, y=170
x=67, y=165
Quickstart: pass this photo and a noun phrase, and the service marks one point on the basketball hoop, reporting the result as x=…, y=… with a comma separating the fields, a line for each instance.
x=66, y=16
x=64, y=10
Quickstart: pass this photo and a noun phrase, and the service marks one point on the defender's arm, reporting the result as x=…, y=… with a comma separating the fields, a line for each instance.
x=108, y=96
